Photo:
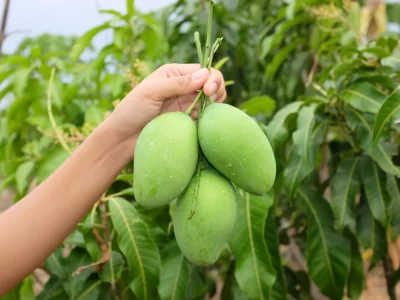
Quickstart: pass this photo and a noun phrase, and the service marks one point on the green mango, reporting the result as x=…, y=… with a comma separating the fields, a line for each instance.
x=202, y=236
x=165, y=159
x=237, y=147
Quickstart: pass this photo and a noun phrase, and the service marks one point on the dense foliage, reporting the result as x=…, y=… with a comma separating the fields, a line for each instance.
x=327, y=98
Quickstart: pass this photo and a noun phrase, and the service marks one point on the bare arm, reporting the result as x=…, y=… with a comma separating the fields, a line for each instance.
x=33, y=228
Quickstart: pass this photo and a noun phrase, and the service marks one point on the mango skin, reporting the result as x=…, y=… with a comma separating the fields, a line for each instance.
x=202, y=237
x=165, y=159
x=237, y=147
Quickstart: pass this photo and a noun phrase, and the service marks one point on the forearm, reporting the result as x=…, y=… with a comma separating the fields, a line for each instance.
x=39, y=223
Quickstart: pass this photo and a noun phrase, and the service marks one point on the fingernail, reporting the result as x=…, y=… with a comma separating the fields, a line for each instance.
x=214, y=97
x=213, y=88
x=199, y=74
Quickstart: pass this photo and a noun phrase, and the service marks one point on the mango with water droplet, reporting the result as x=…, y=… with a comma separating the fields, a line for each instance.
x=237, y=147
x=165, y=159
x=202, y=236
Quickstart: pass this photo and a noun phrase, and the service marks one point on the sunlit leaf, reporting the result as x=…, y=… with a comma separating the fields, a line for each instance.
x=345, y=186
x=364, y=97
x=20, y=80
x=174, y=275
x=370, y=233
x=391, y=62
x=261, y=104
x=140, y=250
x=327, y=252
x=26, y=291
x=386, y=112
x=375, y=189
x=254, y=270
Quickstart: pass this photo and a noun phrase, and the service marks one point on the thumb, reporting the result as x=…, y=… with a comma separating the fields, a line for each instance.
x=181, y=85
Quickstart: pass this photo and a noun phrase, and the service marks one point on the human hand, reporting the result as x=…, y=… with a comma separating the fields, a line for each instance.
x=172, y=87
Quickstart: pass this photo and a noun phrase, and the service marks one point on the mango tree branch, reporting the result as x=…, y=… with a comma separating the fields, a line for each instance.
x=4, y=24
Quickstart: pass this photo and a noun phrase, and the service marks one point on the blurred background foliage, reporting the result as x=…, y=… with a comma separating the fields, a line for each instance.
x=314, y=74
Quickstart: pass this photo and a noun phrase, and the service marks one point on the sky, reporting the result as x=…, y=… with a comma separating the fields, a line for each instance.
x=69, y=17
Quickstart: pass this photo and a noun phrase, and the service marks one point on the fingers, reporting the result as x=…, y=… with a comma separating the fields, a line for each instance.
x=215, y=86
x=166, y=87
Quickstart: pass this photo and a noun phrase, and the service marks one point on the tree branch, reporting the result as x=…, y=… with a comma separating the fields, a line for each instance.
x=4, y=24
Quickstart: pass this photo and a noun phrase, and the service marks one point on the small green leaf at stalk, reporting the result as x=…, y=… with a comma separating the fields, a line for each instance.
x=140, y=250
x=364, y=96
x=22, y=175
x=85, y=40
x=345, y=186
x=327, y=252
x=260, y=104
x=254, y=270
x=386, y=112
x=174, y=275
x=219, y=64
x=370, y=233
x=277, y=131
x=374, y=181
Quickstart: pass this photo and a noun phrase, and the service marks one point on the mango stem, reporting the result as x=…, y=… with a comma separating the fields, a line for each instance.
x=191, y=107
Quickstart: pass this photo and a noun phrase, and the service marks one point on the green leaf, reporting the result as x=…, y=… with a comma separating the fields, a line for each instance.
x=140, y=250
x=277, y=131
x=279, y=289
x=112, y=270
x=52, y=288
x=302, y=136
x=281, y=56
x=392, y=62
x=22, y=175
x=355, y=284
x=370, y=233
x=50, y=162
x=26, y=291
x=364, y=96
x=363, y=133
x=174, y=275
x=327, y=252
x=345, y=186
x=296, y=170
x=85, y=40
x=393, y=214
x=54, y=263
x=74, y=285
x=260, y=104
x=375, y=189
x=90, y=291
x=94, y=115
x=20, y=80
x=254, y=270
x=355, y=17
x=386, y=112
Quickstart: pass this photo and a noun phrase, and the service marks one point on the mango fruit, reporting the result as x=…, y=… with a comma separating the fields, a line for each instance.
x=165, y=159
x=237, y=147
x=202, y=235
